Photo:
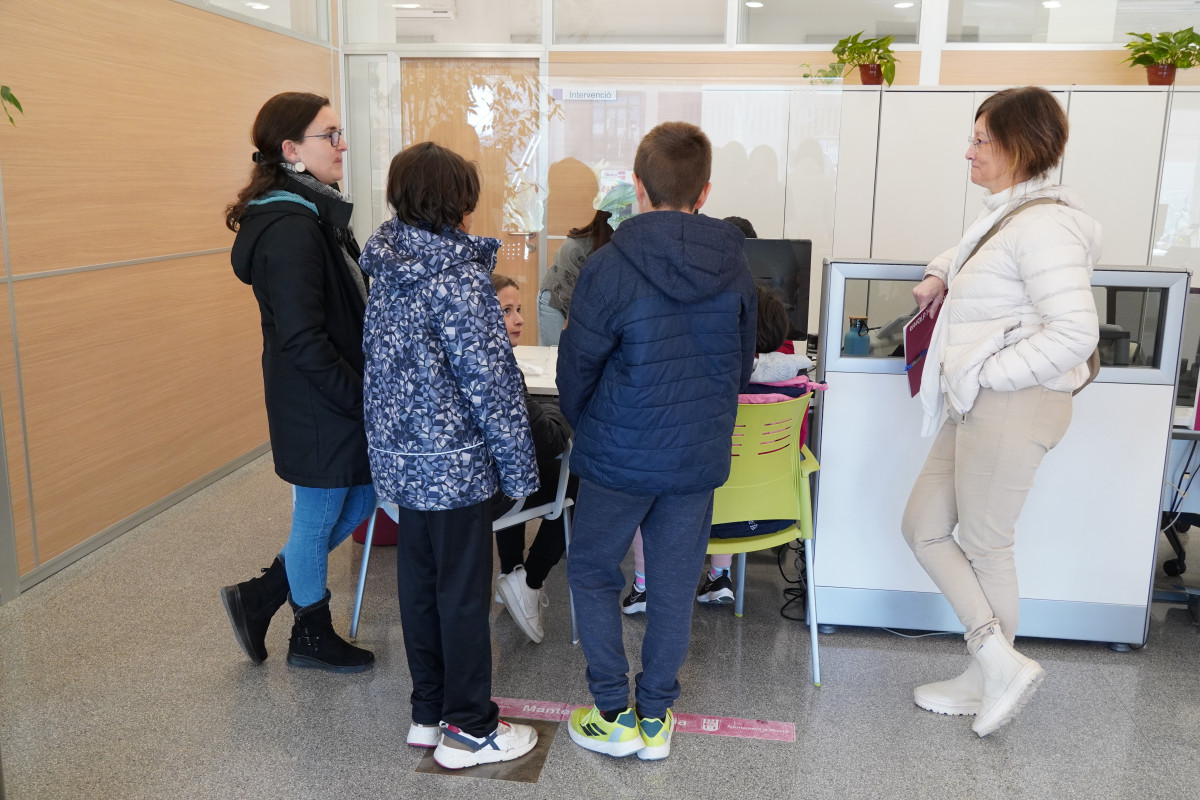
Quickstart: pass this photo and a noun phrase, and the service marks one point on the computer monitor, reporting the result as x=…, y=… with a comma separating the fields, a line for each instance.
x=783, y=266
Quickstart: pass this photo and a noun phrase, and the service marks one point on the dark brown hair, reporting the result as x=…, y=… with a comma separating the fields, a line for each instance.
x=773, y=323
x=674, y=162
x=743, y=225
x=503, y=282
x=598, y=230
x=430, y=184
x=1030, y=127
x=283, y=118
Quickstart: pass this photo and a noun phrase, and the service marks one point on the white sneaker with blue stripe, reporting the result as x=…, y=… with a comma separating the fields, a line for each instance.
x=457, y=750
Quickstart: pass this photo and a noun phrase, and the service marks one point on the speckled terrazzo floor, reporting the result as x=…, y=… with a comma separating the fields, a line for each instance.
x=119, y=678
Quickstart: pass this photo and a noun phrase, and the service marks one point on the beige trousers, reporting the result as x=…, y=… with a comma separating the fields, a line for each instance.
x=977, y=476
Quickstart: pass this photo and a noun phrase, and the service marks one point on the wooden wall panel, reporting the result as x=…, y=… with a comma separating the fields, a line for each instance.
x=136, y=127
x=14, y=439
x=139, y=380
x=1046, y=68
x=711, y=67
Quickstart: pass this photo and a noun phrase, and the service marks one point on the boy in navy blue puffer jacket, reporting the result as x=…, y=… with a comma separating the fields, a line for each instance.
x=659, y=342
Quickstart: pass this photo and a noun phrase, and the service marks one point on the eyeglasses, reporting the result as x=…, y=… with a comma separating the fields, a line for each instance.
x=334, y=137
x=975, y=143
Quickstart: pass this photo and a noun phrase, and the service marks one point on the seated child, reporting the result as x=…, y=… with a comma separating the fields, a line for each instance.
x=521, y=575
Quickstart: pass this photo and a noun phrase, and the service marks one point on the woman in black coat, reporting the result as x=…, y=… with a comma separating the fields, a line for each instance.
x=295, y=248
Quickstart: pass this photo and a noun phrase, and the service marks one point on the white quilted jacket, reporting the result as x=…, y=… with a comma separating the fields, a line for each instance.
x=1021, y=312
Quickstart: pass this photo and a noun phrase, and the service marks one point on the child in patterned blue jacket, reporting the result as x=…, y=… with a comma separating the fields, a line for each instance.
x=446, y=429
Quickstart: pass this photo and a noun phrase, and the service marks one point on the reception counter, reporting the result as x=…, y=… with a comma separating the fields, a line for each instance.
x=1085, y=542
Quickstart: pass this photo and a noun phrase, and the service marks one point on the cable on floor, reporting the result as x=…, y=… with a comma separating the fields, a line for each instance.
x=1180, y=492
x=796, y=592
x=921, y=635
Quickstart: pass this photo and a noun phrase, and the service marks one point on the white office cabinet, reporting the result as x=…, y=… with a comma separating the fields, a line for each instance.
x=1086, y=537
x=920, y=180
x=858, y=145
x=1177, y=228
x=1112, y=161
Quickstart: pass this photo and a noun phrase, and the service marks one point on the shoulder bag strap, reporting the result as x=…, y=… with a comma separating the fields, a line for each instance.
x=1093, y=361
x=1000, y=222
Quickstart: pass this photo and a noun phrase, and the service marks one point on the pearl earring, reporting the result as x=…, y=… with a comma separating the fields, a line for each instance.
x=299, y=165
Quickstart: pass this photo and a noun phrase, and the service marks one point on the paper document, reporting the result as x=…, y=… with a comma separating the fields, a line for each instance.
x=917, y=334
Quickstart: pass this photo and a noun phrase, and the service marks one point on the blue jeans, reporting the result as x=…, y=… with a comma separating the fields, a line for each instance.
x=321, y=520
x=550, y=321
x=675, y=535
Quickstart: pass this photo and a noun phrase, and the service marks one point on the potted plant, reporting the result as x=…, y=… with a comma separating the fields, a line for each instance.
x=874, y=57
x=1164, y=53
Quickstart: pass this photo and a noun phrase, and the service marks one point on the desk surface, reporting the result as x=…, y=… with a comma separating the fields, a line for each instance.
x=539, y=365
x=1182, y=429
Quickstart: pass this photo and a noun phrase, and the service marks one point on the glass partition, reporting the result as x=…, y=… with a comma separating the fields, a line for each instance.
x=1135, y=306
x=308, y=18
x=821, y=22
x=1131, y=324
x=775, y=155
x=1131, y=320
x=885, y=307
x=443, y=22
x=1092, y=21
x=547, y=152
x=490, y=111
x=1189, y=352
x=373, y=135
x=1177, y=224
x=662, y=22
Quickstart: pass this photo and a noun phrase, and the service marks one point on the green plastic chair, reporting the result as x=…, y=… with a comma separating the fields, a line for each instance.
x=769, y=479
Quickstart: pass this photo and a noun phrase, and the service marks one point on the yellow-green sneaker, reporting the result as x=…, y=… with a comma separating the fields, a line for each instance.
x=618, y=739
x=656, y=736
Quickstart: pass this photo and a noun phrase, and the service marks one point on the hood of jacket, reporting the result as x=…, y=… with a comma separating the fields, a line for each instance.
x=688, y=257
x=295, y=200
x=400, y=256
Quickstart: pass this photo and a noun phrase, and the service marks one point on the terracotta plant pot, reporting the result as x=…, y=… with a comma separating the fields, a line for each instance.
x=871, y=74
x=1160, y=74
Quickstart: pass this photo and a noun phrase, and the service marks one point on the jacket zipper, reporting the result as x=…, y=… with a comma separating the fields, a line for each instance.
x=941, y=379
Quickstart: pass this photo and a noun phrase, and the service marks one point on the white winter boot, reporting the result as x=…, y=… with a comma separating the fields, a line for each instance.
x=958, y=696
x=1009, y=680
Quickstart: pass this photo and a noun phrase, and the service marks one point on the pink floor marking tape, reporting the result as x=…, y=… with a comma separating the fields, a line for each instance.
x=684, y=723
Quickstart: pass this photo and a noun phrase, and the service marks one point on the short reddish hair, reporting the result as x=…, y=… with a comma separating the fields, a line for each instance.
x=1030, y=126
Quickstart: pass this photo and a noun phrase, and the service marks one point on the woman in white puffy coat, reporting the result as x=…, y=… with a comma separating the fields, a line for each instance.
x=1011, y=345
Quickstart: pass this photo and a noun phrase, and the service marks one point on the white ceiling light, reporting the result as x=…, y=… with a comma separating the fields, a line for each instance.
x=257, y=6
x=904, y=5
x=1051, y=4
x=406, y=5
x=753, y=5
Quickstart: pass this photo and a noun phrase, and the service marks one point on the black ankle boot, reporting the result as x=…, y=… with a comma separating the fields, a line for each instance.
x=250, y=606
x=315, y=645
